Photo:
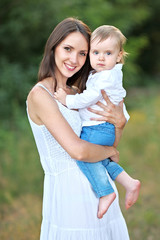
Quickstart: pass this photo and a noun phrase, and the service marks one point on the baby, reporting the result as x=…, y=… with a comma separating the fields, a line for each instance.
x=107, y=58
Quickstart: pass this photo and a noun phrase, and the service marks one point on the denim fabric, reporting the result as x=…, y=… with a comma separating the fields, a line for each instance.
x=102, y=134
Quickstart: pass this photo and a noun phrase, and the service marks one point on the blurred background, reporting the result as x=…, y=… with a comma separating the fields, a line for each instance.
x=24, y=28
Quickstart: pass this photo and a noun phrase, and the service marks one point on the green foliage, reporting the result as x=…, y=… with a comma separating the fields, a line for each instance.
x=25, y=26
x=150, y=56
x=132, y=71
x=14, y=85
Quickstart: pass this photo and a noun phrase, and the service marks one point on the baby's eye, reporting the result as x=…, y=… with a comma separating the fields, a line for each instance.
x=68, y=49
x=108, y=53
x=95, y=52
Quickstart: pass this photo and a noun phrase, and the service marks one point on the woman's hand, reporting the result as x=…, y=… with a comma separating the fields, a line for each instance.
x=111, y=113
x=115, y=157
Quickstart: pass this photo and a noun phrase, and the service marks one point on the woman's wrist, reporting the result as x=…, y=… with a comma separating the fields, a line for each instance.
x=120, y=122
x=114, y=154
x=111, y=150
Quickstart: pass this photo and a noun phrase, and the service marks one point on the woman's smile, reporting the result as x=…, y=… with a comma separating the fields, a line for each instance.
x=70, y=67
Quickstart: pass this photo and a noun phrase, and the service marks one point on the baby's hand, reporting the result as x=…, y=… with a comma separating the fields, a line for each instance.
x=60, y=95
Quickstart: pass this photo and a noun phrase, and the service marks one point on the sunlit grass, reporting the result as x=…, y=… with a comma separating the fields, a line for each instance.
x=21, y=219
x=21, y=181
x=21, y=176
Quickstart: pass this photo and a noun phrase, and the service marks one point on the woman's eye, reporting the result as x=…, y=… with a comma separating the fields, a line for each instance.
x=83, y=54
x=67, y=49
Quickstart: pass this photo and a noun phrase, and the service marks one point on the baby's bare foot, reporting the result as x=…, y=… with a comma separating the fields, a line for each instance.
x=132, y=193
x=104, y=203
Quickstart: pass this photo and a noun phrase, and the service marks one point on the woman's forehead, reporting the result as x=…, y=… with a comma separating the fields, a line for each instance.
x=76, y=40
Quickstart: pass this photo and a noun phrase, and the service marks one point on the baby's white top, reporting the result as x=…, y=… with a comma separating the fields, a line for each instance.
x=110, y=81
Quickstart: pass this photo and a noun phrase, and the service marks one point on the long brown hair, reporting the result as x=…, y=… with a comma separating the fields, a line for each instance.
x=61, y=31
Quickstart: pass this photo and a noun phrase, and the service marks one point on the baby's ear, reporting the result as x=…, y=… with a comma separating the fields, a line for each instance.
x=119, y=57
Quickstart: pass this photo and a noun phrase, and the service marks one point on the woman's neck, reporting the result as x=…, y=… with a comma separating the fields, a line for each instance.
x=54, y=85
x=60, y=80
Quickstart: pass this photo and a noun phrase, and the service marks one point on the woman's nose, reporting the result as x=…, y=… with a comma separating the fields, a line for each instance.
x=74, y=58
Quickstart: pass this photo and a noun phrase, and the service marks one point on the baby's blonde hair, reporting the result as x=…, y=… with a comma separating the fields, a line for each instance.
x=105, y=31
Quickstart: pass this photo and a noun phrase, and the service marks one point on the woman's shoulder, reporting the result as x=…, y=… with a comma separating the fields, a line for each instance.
x=39, y=88
x=35, y=92
x=40, y=101
x=40, y=92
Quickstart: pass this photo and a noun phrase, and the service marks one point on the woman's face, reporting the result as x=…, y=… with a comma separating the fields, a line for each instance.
x=70, y=55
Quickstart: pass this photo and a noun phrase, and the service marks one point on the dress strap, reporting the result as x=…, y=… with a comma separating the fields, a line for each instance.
x=41, y=85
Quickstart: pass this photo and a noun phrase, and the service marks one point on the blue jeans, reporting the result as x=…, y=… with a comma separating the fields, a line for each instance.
x=102, y=134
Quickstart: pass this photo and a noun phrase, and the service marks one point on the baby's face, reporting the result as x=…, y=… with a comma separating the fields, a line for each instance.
x=104, y=55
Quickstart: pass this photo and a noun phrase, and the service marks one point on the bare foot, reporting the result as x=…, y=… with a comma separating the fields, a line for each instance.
x=104, y=203
x=132, y=193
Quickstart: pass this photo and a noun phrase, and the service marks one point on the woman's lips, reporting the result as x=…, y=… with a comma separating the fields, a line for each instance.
x=69, y=67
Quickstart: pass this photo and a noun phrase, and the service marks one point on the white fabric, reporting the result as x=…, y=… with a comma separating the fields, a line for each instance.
x=69, y=204
x=110, y=81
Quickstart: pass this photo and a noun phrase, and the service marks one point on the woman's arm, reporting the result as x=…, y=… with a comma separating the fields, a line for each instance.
x=46, y=112
x=113, y=114
x=118, y=135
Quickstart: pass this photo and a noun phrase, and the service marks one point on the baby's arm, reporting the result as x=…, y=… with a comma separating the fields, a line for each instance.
x=61, y=95
x=85, y=99
x=92, y=94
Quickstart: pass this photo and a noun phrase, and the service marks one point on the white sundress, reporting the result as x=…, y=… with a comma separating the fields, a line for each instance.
x=69, y=203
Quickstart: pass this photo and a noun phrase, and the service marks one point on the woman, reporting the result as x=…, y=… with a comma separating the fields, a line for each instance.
x=69, y=204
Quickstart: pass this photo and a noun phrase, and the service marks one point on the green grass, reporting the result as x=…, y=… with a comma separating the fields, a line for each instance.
x=21, y=182
x=139, y=154
x=21, y=176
